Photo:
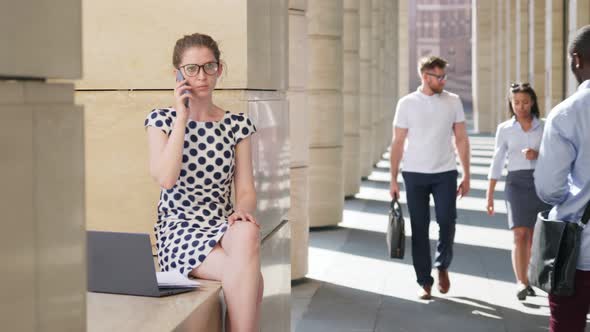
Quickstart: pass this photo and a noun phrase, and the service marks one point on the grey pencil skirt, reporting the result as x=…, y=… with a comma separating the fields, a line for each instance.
x=522, y=202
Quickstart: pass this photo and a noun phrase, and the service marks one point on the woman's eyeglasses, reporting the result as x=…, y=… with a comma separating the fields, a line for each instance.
x=193, y=69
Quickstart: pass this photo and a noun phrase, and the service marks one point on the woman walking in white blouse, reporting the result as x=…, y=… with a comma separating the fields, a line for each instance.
x=517, y=142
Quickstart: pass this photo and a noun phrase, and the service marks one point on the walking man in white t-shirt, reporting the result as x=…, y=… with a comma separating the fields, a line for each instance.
x=428, y=118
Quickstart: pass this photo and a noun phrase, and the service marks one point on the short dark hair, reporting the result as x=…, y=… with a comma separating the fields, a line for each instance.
x=523, y=88
x=431, y=62
x=581, y=43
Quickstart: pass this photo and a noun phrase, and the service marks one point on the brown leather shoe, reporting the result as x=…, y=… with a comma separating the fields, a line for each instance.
x=443, y=281
x=424, y=292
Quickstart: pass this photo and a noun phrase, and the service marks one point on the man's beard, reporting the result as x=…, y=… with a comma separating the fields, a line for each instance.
x=436, y=89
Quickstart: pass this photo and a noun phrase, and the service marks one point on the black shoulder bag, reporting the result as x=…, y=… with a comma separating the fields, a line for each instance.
x=554, y=253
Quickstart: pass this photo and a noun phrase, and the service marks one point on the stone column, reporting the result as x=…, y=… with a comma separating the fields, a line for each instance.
x=375, y=79
x=365, y=52
x=350, y=97
x=386, y=88
x=394, y=68
x=326, y=190
x=538, y=50
x=382, y=82
x=299, y=136
x=403, y=49
x=578, y=16
x=483, y=66
x=43, y=239
x=522, y=42
x=390, y=90
x=501, y=59
x=511, y=37
x=554, y=54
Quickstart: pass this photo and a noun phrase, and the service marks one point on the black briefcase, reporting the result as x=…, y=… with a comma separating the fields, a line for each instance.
x=554, y=253
x=396, y=235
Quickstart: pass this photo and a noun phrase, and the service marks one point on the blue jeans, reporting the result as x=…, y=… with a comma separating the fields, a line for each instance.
x=443, y=187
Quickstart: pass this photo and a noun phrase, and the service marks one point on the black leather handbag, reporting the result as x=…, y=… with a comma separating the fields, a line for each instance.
x=396, y=234
x=554, y=253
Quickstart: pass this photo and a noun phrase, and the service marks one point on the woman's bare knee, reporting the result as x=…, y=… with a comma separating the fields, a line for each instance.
x=520, y=235
x=242, y=239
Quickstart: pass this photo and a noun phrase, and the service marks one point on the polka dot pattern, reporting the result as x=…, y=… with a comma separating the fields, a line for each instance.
x=192, y=216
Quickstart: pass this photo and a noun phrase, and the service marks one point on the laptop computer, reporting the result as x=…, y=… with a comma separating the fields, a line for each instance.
x=122, y=263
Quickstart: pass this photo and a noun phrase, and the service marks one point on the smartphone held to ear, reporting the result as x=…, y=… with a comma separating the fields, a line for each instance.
x=180, y=78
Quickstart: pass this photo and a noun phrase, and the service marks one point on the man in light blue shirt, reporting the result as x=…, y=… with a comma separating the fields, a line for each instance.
x=562, y=179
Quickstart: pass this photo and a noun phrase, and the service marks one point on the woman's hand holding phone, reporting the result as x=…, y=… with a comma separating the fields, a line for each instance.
x=530, y=154
x=182, y=95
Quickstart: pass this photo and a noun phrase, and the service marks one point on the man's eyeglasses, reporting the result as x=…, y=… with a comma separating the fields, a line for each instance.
x=519, y=86
x=439, y=78
x=193, y=69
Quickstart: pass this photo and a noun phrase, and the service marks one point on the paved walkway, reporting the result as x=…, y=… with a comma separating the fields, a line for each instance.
x=353, y=286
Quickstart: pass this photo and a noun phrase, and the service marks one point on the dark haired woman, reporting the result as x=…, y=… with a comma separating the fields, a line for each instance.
x=518, y=141
x=196, y=154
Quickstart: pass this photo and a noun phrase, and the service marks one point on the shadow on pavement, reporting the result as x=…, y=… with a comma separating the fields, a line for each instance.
x=338, y=308
x=468, y=259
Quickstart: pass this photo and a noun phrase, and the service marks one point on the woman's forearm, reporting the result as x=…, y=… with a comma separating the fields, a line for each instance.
x=169, y=162
x=491, y=188
x=246, y=202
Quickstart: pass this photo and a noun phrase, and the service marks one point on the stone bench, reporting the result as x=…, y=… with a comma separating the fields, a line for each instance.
x=199, y=310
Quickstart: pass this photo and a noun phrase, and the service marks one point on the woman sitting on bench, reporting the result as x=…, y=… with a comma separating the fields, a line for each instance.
x=197, y=150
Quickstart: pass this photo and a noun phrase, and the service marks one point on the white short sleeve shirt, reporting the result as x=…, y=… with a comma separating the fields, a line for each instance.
x=510, y=141
x=429, y=120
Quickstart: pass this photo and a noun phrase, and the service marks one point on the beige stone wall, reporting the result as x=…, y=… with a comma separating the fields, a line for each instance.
x=41, y=39
x=326, y=189
x=120, y=194
x=43, y=261
x=252, y=36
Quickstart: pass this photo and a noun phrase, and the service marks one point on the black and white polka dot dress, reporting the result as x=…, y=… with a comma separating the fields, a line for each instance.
x=192, y=216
